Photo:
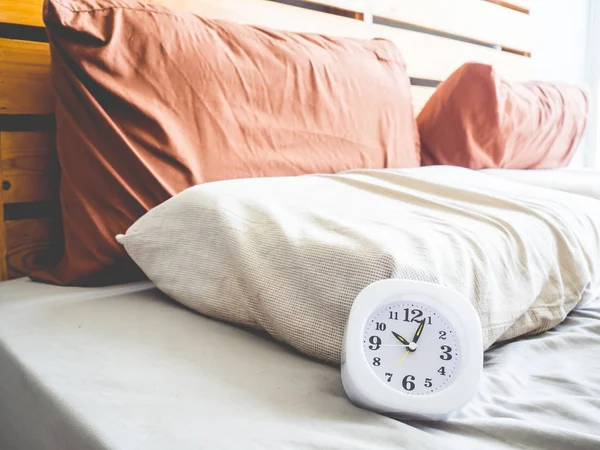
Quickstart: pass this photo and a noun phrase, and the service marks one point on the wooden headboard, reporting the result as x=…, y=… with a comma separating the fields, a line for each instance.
x=435, y=37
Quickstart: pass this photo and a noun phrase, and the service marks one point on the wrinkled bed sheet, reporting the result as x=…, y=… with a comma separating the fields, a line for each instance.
x=127, y=368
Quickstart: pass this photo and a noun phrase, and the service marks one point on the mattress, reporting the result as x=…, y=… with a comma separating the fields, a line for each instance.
x=125, y=367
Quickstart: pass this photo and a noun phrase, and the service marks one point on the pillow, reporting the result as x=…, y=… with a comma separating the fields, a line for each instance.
x=151, y=101
x=476, y=119
x=290, y=255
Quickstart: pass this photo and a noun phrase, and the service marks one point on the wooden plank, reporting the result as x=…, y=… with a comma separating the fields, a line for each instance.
x=518, y=5
x=428, y=56
x=3, y=269
x=29, y=166
x=420, y=95
x=24, y=12
x=358, y=6
x=435, y=58
x=270, y=14
x=29, y=186
x=473, y=19
x=28, y=162
x=29, y=179
x=527, y=4
x=14, y=145
x=32, y=245
x=25, y=78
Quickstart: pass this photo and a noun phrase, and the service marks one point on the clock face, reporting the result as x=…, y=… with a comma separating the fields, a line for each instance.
x=412, y=348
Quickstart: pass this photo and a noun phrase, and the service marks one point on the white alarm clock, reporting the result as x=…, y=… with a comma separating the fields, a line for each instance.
x=411, y=350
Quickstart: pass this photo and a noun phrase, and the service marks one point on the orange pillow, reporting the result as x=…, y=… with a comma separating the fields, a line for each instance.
x=476, y=119
x=151, y=101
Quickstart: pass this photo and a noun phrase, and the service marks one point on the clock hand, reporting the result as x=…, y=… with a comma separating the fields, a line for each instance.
x=405, y=355
x=400, y=338
x=419, y=331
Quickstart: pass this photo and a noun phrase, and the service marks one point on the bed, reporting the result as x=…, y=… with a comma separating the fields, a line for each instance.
x=125, y=367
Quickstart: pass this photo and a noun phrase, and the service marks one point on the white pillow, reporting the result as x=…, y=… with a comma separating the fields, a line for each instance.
x=289, y=255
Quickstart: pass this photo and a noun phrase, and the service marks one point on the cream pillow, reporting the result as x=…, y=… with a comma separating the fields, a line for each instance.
x=289, y=255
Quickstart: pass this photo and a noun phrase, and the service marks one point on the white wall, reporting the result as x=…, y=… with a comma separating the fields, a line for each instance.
x=559, y=50
x=593, y=76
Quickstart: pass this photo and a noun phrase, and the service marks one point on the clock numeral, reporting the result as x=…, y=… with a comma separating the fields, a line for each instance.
x=376, y=361
x=389, y=376
x=442, y=370
x=443, y=335
x=446, y=356
x=375, y=343
x=415, y=313
x=380, y=326
x=428, y=382
x=393, y=315
x=429, y=320
x=407, y=383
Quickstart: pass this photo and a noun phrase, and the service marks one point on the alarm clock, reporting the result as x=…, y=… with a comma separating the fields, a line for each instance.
x=411, y=350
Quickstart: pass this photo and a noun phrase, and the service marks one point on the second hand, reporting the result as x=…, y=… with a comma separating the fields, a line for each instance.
x=405, y=355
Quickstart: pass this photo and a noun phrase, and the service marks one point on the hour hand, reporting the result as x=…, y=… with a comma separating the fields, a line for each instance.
x=400, y=338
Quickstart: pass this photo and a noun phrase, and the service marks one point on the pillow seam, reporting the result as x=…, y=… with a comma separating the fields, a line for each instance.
x=114, y=7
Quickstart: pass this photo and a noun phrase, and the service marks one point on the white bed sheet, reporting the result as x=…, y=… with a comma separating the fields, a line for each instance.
x=126, y=368
x=576, y=181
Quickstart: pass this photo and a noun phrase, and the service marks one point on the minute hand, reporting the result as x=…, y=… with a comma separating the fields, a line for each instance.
x=419, y=331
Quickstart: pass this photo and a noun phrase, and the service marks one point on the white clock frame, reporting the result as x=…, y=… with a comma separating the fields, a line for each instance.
x=366, y=390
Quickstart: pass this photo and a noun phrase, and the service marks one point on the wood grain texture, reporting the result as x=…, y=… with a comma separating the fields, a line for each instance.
x=29, y=166
x=24, y=12
x=31, y=245
x=14, y=145
x=25, y=78
x=29, y=186
x=3, y=269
